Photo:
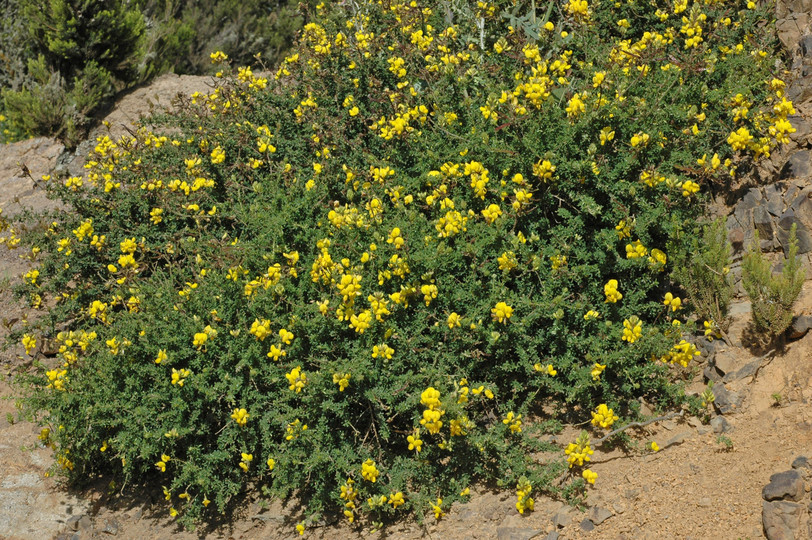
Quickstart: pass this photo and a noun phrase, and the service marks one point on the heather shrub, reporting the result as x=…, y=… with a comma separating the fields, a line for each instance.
x=356, y=279
x=772, y=296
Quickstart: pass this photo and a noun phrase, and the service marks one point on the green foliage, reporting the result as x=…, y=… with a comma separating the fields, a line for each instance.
x=84, y=49
x=92, y=48
x=73, y=33
x=184, y=32
x=772, y=296
x=703, y=273
x=399, y=237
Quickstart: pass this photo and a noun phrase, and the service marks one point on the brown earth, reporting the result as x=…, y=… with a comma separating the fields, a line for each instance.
x=697, y=486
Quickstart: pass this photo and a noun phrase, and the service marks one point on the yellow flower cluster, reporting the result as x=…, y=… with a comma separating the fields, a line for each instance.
x=578, y=452
x=611, y=292
x=523, y=499
x=603, y=416
x=682, y=353
x=240, y=416
x=369, y=471
x=513, y=421
x=632, y=329
x=433, y=412
x=501, y=312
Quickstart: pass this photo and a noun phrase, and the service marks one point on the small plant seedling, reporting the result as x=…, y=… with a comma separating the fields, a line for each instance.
x=726, y=442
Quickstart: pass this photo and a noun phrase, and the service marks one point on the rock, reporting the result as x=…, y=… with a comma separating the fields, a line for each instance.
x=562, y=518
x=736, y=238
x=747, y=370
x=111, y=527
x=802, y=233
x=679, y=438
x=726, y=401
x=670, y=425
x=720, y=425
x=516, y=533
x=785, y=485
x=799, y=90
x=73, y=522
x=798, y=165
x=775, y=201
x=781, y=520
x=587, y=525
x=711, y=373
x=552, y=536
x=802, y=127
x=694, y=422
x=806, y=46
x=85, y=523
x=800, y=326
x=763, y=222
x=619, y=507
x=726, y=361
x=598, y=515
x=705, y=502
x=801, y=462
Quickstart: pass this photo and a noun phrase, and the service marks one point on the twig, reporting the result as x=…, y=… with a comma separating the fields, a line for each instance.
x=560, y=480
x=761, y=362
x=636, y=424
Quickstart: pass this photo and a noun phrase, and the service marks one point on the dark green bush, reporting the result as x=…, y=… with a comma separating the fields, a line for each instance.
x=184, y=32
x=414, y=231
x=86, y=49
x=772, y=296
x=94, y=48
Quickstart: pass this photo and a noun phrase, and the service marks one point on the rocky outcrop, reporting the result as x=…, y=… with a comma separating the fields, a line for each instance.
x=784, y=511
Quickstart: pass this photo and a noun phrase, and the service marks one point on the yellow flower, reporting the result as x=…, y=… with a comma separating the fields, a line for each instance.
x=382, y=351
x=590, y=476
x=454, y=321
x=689, y=187
x=179, y=376
x=549, y=369
x=438, y=510
x=673, y=301
x=297, y=379
x=200, y=339
x=396, y=499
x=285, y=336
x=491, y=213
x=246, y=461
x=632, y=329
x=161, y=356
x=501, y=312
x=342, y=380
x=29, y=342
x=300, y=528
x=218, y=57
x=597, y=369
x=611, y=292
x=654, y=447
x=414, y=441
x=218, y=155
x=514, y=422
x=271, y=463
x=591, y=315
x=607, y=134
x=603, y=416
x=240, y=416
x=369, y=471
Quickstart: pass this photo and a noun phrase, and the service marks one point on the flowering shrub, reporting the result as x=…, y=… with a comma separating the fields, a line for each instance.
x=356, y=278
